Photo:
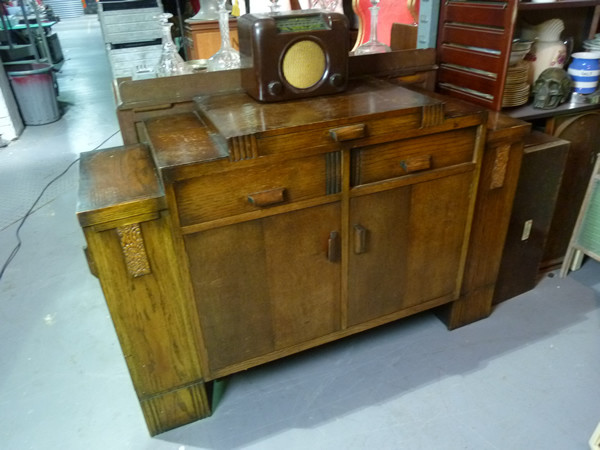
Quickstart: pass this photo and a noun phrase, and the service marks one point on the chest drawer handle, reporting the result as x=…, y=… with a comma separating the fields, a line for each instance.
x=416, y=163
x=348, y=133
x=267, y=198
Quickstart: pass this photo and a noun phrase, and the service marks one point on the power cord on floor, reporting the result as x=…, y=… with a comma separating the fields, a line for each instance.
x=39, y=197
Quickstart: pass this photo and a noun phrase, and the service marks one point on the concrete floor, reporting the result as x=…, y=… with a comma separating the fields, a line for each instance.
x=525, y=378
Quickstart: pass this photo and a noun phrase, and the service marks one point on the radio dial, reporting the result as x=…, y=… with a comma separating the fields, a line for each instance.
x=275, y=88
x=336, y=80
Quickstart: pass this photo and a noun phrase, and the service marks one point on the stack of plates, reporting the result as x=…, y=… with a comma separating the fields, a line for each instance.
x=592, y=45
x=516, y=87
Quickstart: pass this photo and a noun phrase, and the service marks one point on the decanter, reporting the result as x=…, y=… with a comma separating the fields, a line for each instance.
x=208, y=11
x=328, y=5
x=373, y=45
x=227, y=57
x=274, y=6
x=171, y=63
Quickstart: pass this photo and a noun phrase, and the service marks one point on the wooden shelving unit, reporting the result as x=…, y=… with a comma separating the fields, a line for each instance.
x=475, y=38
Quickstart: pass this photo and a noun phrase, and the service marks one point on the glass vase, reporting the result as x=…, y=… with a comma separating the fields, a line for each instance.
x=227, y=57
x=208, y=11
x=327, y=5
x=274, y=6
x=171, y=63
x=373, y=45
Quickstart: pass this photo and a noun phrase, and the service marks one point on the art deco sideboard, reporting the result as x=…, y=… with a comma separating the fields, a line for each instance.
x=235, y=233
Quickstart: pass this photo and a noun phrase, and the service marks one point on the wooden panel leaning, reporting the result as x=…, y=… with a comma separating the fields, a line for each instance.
x=126, y=227
x=586, y=235
x=535, y=200
x=579, y=129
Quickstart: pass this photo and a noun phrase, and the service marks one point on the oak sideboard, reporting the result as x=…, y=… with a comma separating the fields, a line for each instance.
x=235, y=233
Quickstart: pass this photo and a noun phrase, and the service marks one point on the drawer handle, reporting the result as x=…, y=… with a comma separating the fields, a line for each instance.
x=333, y=247
x=267, y=198
x=416, y=163
x=348, y=133
x=360, y=239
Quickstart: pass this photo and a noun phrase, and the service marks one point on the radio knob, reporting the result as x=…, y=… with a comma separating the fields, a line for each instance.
x=275, y=88
x=336, y=80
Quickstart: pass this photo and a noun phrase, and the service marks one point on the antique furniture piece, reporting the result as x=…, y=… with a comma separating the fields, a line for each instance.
x=293, y=55
x=586, y=235
x=497, y=185
x=579, y=125
x=474, y=43
x=132, y=34
x=228, y=232
x=475, y=38
x=581, y=130
x=203, y=38
x=542, y=170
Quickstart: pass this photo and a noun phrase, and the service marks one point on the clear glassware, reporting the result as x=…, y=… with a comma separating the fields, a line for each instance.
x=227, y=57
x=274, y=6
x=328, y=5
x=373, y=45
x=208, y=11
x=171, y=63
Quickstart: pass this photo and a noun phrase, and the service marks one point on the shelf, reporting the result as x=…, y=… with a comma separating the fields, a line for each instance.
x=528, y=112
x=523, y=6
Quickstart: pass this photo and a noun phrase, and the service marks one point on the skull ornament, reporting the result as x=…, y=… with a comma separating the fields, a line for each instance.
x=551, y=88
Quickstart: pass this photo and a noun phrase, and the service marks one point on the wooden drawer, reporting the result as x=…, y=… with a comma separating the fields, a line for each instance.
x=250, y=189
x=251, y=129
x=330, y=137
x=410, y=156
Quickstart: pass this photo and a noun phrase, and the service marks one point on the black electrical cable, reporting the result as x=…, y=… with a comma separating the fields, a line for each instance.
x=39, y=197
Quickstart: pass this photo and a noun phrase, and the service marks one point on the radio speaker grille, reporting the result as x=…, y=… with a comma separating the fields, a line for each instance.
x=304, y=64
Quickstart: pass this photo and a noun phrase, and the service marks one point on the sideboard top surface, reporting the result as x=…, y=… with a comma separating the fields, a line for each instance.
x=237, y=114
x=116, y=183
x=224, y=123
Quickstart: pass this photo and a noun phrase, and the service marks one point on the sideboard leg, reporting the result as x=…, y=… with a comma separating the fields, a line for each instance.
x=500, y=169
x=178, y=407
x=473, y=306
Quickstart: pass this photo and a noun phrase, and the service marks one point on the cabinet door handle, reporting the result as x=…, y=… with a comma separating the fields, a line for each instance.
x=267, y=198
x=360, y=239
x=333, y=247
x=348, y=133
x=416, y=163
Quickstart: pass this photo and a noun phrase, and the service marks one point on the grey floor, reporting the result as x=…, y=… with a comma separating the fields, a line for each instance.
x=528, y=377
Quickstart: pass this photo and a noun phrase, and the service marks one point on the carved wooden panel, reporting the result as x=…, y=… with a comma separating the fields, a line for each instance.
x=134, y=251
x=432, y=115
x=500, y=164
x=242, y=147
x=333, y=163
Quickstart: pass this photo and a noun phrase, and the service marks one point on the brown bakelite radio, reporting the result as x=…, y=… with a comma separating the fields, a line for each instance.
x=293, y=55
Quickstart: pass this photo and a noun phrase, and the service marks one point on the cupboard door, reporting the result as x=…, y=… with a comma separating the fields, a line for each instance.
x=407, y=246
x=581, y=131
x=267, y=284
x=533, y=208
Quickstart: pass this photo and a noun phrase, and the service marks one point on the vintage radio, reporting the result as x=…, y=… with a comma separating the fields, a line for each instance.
x=293, y=55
